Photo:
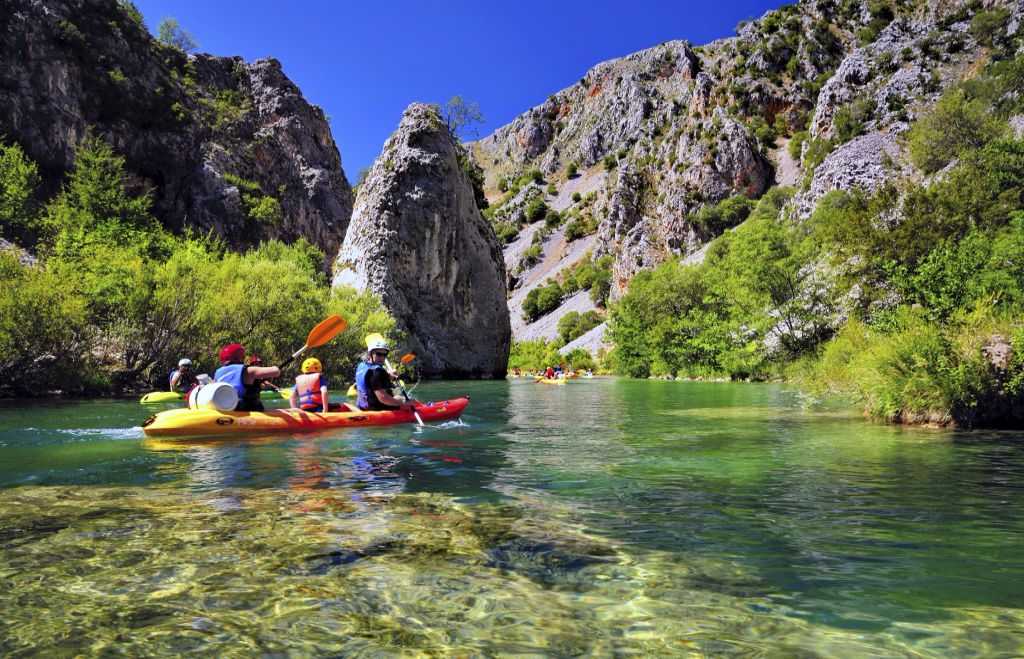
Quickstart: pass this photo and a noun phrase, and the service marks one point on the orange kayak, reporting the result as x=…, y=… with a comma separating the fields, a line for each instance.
x=186, y=422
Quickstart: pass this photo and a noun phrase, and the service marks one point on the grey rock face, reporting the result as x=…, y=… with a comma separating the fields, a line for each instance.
x=864, y=163
x=418, y=240
x=190, y=127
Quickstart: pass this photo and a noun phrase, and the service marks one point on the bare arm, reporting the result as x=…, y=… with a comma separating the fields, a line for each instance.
x=254, y=373
x=384, y=397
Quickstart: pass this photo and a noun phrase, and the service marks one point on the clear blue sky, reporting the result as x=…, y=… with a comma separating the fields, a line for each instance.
x=364, y=62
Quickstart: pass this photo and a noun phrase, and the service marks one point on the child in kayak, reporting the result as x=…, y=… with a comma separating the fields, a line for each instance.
x=310, y=392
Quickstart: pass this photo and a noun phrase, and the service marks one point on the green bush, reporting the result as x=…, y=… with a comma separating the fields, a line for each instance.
x=988, y=26
x=542, y=300
x=552, y=189
x=796, y=144
x=724, y=215
x=535, y=209
x=531, y=256
x=506, y=232
x=956, y=124
x=850, y=120
x=572, y=169
x=552, y=219
x=534, y=355
x=19, y=179
x=576, y=196
x=574, y=324
x=610, y=163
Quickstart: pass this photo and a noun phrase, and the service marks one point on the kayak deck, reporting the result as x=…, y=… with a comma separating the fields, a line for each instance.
x=187, y=422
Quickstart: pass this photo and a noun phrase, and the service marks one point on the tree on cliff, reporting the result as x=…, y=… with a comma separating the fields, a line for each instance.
x=172, y=34
x=460, y=114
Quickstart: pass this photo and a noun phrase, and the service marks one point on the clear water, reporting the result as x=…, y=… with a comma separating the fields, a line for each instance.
x=606, y=517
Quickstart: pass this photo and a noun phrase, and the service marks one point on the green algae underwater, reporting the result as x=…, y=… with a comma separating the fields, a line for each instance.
x=607, y=517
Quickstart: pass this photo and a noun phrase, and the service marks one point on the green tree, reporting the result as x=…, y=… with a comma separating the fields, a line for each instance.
x=19, y=178
x=461, y=115
x=956, y=124
x=170, y=33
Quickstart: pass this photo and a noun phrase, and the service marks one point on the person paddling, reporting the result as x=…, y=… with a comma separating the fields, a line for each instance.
x=247, y=380
x=182, y=379
x=310, y=392
x=374, y=384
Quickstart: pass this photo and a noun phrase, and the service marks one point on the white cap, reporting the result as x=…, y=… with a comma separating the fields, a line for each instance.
x=378, y=344
x=185, y=362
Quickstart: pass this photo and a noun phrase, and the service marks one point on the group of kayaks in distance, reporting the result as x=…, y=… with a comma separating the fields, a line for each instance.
x=229, y=403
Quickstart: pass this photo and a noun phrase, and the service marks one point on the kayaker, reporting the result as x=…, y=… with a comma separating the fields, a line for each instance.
x=182, y=378
x=310, y=392
x=247, y=380
x=374, y=385
x=549, y=373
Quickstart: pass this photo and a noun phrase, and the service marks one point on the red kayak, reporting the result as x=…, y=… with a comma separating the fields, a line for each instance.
x=187, y=422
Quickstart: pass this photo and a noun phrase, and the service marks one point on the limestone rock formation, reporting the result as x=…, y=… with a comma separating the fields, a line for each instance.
x=223, y=144
x=418, y=240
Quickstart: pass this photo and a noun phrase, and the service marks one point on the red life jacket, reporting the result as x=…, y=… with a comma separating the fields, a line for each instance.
x=307, y=387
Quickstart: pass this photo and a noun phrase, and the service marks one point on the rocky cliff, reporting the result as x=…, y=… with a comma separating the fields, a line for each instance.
x=679, y=128
x=223, y=144
x=418, y=240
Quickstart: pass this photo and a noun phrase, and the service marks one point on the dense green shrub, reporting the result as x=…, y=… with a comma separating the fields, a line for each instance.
x=506, y=232
x=572, y=169
x=724, y=215
x=542, y=300
x=850, y=120
x=574, y=324
x=956, y=124
x=19, y=178
x=115, y=300
x=535, y=209
x=610, y=163
x=579, y=227
x=576, y=196
x=988, y=26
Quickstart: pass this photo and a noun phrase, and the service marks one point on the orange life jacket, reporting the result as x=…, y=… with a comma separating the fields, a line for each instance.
x=307, y=386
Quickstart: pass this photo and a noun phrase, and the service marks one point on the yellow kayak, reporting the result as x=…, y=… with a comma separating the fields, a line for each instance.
x=184, y=422
x=550, y=380
x=161, y=397
x=172, y=396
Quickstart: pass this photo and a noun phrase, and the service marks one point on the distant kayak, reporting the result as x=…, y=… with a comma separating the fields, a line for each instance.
x=550, y=380
x=161, y=397
x=185, y=422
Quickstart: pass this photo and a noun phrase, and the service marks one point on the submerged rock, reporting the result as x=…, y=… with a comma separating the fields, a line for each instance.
x=418, y=240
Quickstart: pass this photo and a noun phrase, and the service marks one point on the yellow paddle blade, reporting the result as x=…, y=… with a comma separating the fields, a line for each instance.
x=408, y=357
x=325, y=330
x=373, y=338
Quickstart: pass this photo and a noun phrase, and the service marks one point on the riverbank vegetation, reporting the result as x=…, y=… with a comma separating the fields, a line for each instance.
x=111, y=300
x=909, y=299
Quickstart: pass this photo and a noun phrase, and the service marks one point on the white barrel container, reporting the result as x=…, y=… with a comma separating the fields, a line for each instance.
x=219, y=396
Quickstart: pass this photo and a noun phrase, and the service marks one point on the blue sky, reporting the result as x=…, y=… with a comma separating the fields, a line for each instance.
x=364, y=62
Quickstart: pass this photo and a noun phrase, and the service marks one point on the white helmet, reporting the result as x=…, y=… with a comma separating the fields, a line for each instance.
x=185, y=362
x=377, y=344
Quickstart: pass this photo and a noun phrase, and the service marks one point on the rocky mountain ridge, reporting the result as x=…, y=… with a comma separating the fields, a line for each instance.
x=680, y=129
x=224, y=145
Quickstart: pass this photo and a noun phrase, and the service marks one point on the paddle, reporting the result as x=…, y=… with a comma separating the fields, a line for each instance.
x=324, y=331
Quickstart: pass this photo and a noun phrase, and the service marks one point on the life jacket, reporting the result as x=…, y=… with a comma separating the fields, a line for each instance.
x=365, y=398
x=248, y=395
x=307, y=387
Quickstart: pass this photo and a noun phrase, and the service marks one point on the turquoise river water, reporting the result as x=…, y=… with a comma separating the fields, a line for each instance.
x=603, y=518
